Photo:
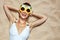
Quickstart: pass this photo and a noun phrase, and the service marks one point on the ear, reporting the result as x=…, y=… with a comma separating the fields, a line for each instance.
x=31, y=13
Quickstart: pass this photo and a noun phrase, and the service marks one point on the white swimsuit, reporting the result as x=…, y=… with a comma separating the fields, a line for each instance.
x=22, y=36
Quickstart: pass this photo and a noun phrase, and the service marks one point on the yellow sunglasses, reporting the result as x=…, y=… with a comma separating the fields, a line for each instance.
x=26, y=8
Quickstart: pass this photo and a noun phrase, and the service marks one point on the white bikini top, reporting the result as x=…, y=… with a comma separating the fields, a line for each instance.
x=22, y=36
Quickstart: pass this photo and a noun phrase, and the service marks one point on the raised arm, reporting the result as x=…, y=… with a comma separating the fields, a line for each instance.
x=41, y=19
x=12, y=8
x=7, y=12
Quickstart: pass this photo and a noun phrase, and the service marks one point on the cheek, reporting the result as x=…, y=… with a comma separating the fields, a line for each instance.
x=27, y=15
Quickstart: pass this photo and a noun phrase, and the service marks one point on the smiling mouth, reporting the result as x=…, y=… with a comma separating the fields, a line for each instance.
x=24, y=14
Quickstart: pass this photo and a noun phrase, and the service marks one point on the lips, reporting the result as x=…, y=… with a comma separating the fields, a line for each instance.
x=24, y=14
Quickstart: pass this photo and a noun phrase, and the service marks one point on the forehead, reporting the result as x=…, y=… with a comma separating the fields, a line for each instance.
x=26, y=6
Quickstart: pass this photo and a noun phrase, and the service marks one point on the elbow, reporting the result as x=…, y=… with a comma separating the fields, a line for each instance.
x=4, y=6
x=45, y=18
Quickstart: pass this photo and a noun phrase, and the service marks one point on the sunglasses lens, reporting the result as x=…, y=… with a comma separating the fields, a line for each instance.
x=22, y=8
x=28, y=10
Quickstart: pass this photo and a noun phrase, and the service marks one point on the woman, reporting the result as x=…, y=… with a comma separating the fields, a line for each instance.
x=21, y=29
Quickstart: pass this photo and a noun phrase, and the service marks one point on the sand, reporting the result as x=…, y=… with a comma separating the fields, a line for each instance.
x=50, y=30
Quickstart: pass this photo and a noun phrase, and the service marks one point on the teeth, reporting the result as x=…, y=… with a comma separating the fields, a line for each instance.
x=23, y=14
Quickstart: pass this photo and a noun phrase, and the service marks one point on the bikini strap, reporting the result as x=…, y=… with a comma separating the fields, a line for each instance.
x=27, y=23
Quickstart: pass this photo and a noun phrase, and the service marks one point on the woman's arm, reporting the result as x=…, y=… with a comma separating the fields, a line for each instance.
x=41, y=20
x=7, y=12
x=12, y=8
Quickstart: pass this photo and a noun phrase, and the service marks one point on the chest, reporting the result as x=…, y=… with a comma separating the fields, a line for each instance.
x=14, y=32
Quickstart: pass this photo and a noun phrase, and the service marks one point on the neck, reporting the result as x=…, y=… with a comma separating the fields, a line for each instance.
x=22, y=21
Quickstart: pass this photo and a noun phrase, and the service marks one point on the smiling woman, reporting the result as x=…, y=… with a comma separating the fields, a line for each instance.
x=20, y=30
x=25, y=8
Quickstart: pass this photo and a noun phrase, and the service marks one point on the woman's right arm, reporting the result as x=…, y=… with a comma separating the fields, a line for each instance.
x=12, y=8
x=7, y=12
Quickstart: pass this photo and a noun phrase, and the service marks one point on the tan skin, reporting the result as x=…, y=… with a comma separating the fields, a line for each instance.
x=22, y=21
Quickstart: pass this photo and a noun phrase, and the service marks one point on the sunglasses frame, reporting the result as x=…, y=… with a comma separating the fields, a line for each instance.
x=25, y=9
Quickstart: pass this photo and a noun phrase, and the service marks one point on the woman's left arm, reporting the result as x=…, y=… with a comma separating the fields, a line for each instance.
x=41, y=20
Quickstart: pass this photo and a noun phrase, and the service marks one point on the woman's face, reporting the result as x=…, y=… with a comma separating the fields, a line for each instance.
x=25, y=11
x=23, y=15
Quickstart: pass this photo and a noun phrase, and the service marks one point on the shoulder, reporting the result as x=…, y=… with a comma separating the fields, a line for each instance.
x=30, y=26
x=13, y=22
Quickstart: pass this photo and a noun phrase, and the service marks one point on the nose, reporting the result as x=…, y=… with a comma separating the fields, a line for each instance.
x=24, y=12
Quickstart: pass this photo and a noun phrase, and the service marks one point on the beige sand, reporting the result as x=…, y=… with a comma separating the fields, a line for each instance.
x=50, y=30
